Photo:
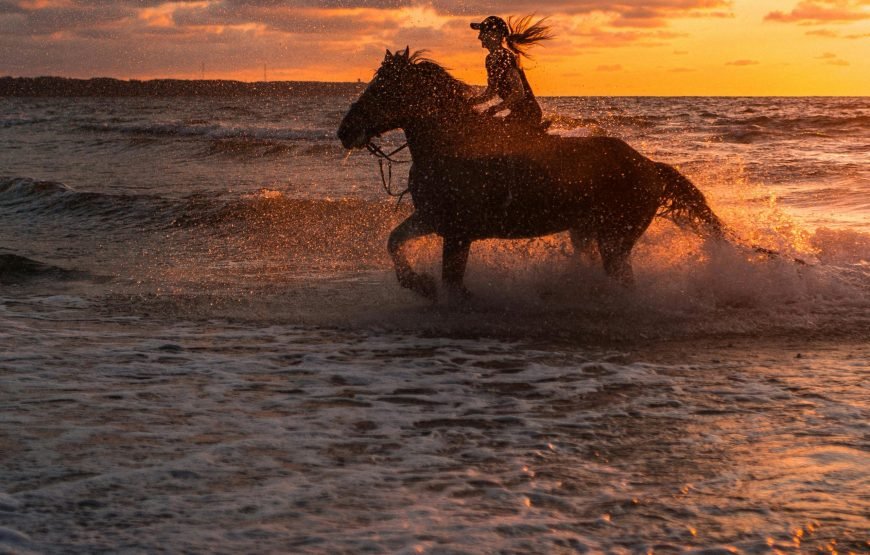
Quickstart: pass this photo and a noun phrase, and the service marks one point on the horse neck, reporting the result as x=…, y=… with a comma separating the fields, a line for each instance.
x=444, y=129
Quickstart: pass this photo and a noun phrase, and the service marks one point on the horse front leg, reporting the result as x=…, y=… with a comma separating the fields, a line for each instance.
x=453, y=263
x=411, y=228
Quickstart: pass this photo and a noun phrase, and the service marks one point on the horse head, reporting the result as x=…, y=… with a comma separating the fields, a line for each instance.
x=382, y=106
x=406, y=88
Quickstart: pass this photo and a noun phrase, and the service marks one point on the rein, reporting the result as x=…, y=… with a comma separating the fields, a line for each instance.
x=387, y=175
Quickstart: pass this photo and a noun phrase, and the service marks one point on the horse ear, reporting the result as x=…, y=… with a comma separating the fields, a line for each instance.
x=407, y=53
x=389, y=55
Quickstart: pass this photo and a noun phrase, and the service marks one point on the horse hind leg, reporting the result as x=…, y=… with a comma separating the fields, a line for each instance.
x=411, y=228
x=616, y=257
x=616, y=252
x=584, y=246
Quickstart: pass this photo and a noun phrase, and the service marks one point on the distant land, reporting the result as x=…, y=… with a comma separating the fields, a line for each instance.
x=104, y=86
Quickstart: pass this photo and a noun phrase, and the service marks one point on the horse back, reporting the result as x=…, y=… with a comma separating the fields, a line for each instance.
x=545, y=187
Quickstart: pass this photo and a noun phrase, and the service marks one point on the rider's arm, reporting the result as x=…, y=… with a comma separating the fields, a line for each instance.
x=485, y=96
x=515, y=85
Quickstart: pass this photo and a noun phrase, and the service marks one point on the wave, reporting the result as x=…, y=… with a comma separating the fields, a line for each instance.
x=250, y=148
x=335, y=251
x=216, y=131
x=841, y=246
x=49, y=205
x=745, y=135
x=17, y=270
x=346, y=233
x=756, y=128
x=815, y=121
x=16, y=121
x=26, y=198
x=600, y=125
x=326, y=263
x=272, y=212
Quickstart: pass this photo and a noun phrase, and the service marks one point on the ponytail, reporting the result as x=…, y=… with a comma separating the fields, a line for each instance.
x=524, y=34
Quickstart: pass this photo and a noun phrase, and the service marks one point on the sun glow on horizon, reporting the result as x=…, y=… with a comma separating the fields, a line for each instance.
x=676, y=47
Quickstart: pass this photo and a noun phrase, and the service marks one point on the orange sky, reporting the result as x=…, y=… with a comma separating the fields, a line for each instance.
x=603, y=47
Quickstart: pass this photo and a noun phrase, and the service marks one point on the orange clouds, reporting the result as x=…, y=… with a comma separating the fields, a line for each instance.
x=161, y=16
x=824, y=11
x=43, y=4
x=631, y=46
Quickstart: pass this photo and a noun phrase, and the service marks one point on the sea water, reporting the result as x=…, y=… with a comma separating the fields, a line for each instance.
x=203, y=347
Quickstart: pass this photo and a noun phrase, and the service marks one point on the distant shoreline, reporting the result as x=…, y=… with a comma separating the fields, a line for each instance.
x=109, y=87
x=61, y=87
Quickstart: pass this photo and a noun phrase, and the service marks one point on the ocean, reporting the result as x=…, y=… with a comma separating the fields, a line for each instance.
x=204, y=349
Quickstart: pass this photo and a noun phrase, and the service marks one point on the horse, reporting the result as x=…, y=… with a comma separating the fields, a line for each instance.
x=472, y=178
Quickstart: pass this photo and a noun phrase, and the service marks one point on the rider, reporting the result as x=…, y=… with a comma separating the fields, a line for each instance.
x=505, y=76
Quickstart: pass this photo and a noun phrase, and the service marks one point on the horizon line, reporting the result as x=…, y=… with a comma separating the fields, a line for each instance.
x=360, y=82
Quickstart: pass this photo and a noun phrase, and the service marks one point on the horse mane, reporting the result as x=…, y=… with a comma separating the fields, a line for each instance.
x=454, y=93
x=440, y=74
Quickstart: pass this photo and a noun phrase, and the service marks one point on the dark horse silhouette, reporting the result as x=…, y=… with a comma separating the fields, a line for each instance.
x=474, y=178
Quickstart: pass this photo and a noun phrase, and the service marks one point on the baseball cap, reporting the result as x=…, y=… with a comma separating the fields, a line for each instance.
x=492, y=23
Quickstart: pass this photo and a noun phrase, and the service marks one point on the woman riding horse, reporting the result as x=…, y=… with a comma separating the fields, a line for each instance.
x=599, y=189
x=506, y=79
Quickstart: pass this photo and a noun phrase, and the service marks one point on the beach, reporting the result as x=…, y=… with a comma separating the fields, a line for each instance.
x=204, y=347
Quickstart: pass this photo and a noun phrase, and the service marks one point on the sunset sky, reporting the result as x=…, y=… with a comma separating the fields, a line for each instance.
x=603, y=47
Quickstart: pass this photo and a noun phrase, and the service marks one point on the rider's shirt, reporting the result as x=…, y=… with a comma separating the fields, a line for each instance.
x=501, y=67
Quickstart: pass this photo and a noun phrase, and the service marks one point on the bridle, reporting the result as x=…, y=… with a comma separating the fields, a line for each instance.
x=386, y=159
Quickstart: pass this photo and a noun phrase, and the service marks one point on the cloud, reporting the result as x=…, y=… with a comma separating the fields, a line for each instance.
x=832, y=59
x=138, y=37
x=828, y=33
x=823, y=33
x=293, y=21
x=743, y=63
x=298, y=40
x=629, y=13
x=620, y=13
x=7, y=7
x=603, y=37
x=823, y=11
x=638, y=9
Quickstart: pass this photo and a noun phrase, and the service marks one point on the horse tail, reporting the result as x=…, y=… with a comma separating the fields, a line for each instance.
x=685, y=205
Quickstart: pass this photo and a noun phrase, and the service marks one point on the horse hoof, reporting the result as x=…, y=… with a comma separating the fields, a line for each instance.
x=425, y=286
x=458, y=296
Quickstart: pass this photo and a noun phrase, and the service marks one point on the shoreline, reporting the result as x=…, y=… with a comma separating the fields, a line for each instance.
x=28, y=87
